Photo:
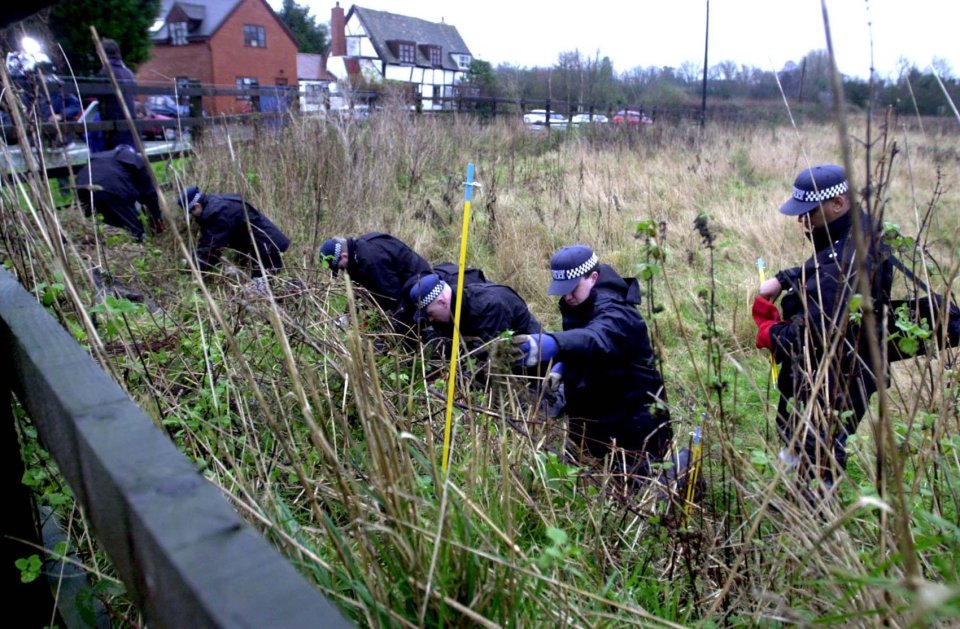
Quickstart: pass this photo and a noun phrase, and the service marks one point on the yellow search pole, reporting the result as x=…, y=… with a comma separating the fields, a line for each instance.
x=455, y=352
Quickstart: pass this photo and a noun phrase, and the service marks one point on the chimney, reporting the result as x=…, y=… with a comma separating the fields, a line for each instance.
x=338, y=34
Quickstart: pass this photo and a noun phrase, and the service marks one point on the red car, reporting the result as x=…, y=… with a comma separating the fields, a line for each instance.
x=154, y=133
x=631, y=117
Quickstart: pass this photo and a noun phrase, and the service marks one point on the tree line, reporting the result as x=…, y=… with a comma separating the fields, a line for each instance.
x=575, y=78
x=580, y=78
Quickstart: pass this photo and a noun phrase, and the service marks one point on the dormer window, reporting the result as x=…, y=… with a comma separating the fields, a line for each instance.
x=406, y=52
x=178, y=33
x=254, y=36
x=463, y=61
x=436, y=58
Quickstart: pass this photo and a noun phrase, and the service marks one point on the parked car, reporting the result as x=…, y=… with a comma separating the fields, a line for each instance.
x=166, y=105
x=631, y=117
x=537, y=119
x=579, y=119
x=159, y=132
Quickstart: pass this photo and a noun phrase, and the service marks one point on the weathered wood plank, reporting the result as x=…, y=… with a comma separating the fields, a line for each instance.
x=185, y=555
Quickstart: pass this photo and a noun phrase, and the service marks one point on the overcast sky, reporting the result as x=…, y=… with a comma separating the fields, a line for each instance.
x=762, y=33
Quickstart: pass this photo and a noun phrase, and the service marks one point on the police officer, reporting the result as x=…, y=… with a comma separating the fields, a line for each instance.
x=381, y=263
x=112, y=183
x=614, y=390
x=228, y=222
x=816, y=328
x=487, y=311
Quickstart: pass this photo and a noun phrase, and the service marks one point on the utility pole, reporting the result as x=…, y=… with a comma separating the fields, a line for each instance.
x=706, y=48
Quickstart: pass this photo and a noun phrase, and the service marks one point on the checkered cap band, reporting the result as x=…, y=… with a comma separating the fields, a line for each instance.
x=195, y=199
x=337, y=250
x=427, y=299
x=817, y=196
x=577, y=271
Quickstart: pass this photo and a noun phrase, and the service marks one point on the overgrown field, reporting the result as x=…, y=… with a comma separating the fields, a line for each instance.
x=327, y=437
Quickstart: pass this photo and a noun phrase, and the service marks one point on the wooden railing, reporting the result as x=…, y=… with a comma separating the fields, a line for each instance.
x=186, y=557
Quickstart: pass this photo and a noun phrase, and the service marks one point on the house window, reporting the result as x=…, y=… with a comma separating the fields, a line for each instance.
x=406, y=53
x=463, y=61
x=315, y=93
x=435, y=56
x=254, y=36
x=245, y=83
x=178, y=33
x=353, y=46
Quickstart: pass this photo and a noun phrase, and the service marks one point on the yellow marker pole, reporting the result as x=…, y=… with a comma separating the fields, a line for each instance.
x=455, y=352
x=694, y=473
x=773, y=361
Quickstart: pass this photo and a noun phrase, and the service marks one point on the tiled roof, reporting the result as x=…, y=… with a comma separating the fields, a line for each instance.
x=383, y=27
x=209, y=13
x=312, y=67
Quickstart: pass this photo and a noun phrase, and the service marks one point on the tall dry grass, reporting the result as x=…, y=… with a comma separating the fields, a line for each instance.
x=329, y=441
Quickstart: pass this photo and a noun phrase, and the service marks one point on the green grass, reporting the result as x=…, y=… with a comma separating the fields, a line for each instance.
x=337, y=440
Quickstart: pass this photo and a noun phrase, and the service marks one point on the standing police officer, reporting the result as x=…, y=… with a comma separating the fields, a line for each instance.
x=110, y=107
x=113, y=183
x=614, y=390
x=817, y=332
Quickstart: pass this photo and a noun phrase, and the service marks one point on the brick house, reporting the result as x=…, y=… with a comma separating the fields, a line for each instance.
x=373, y=46
x=221, y=43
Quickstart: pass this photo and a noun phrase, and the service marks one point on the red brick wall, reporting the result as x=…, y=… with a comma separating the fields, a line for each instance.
x=223, y=58
x=231, y=59
x=166, y=63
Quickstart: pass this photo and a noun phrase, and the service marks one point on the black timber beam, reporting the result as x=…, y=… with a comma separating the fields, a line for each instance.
x=185, y=556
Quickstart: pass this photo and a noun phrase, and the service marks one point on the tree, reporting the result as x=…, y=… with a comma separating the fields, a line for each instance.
x=127, y=22
x=481, y=77
x=311, y=37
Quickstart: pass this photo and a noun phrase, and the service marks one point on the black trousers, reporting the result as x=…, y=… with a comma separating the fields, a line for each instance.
x=115, y=212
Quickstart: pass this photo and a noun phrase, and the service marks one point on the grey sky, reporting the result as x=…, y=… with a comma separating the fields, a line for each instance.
x=762, y=33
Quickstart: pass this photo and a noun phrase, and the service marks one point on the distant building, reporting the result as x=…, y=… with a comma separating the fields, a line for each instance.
x=373, y=46
x=226, y=43
x=318, y=88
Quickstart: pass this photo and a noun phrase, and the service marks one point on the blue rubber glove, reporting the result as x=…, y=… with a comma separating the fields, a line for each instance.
x=554, y=379
x=535, y=348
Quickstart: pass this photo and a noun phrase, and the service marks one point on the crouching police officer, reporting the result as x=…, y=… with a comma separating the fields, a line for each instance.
x=816, y=331
x=487, y=311
x=112, y=183
x=383, y=264
x=228, y=222
x=614, y=390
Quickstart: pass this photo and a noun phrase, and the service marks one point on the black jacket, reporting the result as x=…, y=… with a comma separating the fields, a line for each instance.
x=110, y=108
x=385, y=266
x=488, y=311
x=815, y=310
x=123, y=174
x=223, y=225
x=610, y=374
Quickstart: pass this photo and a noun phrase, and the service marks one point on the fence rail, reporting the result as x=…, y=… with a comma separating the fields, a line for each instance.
x=186, y=557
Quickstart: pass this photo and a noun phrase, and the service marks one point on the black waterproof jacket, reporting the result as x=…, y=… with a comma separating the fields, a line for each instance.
x=223, y=225
x=489, y=310
x=117, y=180
x=610, y=374
x=816, y=313
x=385, y=266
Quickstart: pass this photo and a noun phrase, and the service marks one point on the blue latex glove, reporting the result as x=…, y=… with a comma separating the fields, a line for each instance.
x=535, y=348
